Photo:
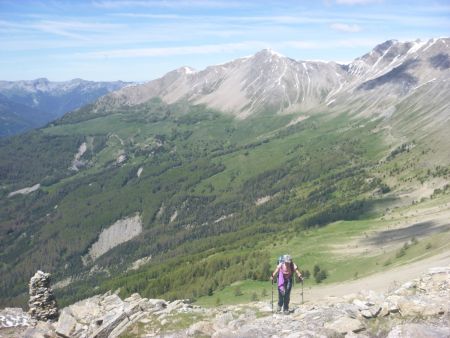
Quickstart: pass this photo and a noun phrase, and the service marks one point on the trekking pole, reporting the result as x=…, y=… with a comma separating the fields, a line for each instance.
x=302, y=290
x=272, y=295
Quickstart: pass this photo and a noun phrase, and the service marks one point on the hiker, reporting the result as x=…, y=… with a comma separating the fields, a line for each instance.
x=285, y=269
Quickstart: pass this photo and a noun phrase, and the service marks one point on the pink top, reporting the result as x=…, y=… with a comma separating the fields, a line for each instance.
x=286, y=269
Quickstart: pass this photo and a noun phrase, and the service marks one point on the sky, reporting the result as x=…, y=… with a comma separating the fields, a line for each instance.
x=137, y=40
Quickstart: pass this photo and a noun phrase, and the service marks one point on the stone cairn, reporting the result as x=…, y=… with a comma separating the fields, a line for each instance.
x=42, y=303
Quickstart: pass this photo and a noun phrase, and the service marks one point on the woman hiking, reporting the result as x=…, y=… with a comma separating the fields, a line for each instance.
x=285, y=270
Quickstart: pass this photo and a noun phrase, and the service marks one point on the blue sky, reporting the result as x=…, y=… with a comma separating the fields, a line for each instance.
x=139, y=40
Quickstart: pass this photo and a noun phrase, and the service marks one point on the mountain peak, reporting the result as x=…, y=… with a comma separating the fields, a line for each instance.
x=267, y=52
x=41, y=80
x=186, y=70
x=382, y=47
x=78, y=80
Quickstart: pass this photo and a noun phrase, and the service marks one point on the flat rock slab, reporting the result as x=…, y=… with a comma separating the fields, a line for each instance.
x=345, y=325
x=13, y=317
x=418, y=331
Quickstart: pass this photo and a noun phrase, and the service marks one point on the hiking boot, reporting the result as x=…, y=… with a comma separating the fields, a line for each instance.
x=286, y=311
x=279, y=309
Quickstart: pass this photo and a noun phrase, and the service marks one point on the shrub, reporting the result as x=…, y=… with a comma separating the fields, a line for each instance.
x=316, y=270
x=400, y=253
x=306, y=274
x=254, y=297
x=321, y=276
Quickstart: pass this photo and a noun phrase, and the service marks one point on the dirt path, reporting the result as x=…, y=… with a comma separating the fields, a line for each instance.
x=379, y=282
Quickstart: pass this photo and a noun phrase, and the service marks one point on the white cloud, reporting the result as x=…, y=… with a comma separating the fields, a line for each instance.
x=170, y=51
x=356, y=2
x=329, y=44
x=170, y=4
x=74, y=29
x=343, y=27
x=301, y=44
x=352, y=43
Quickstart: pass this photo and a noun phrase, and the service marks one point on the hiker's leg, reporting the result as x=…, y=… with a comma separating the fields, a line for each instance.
x=280, y=299
x=287, y=295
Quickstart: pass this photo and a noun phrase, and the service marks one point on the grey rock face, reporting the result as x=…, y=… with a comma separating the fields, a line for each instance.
x=42, y=302
x=268, y=82
x=345, y=325
x=40, y=330
x=440, y=61
x=13, y=317
x=398, y=76
x=419, y=308
x=264, y=82
x=107, y=315
x=413, y=330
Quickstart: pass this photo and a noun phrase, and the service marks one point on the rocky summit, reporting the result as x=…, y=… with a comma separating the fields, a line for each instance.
x=419, y=308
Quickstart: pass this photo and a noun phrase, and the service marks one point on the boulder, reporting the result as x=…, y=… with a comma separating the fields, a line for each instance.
x=202, y=328
x=108, y=324
x=221, y=321
x=41, y=330
x=371, y=312
x=392, y=302
x=153, y=305
x=345, y=325
x=66, y=325
x=407, y=289
x=412, y=330
x=224, y=333
x=360, y=304
x=356, y=335
x=415, y=306
x=87, y=309
x=385, y=309
x=14, y=317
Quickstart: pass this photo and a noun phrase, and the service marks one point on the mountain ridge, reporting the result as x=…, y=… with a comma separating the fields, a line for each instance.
x=269, y=81
x=40, y=101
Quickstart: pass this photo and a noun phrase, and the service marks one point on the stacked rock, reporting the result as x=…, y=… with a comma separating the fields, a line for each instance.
x=42, y=303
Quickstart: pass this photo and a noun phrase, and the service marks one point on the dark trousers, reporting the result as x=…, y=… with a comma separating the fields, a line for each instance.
x=284, y=297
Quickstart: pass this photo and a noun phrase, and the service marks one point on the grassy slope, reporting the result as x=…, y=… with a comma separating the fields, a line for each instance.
x=204, y=166
x=356, y=260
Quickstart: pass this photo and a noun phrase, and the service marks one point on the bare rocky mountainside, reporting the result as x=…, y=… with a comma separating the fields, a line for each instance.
x=416, y=309
x=191, y=186
x=31, y=104
x=270, y=82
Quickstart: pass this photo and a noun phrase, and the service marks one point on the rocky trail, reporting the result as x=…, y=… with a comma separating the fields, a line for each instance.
x=379, y=282
x=418, y=308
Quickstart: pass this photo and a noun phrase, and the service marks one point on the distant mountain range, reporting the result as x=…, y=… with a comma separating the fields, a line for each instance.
x=30, y=104
x=268, y=82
